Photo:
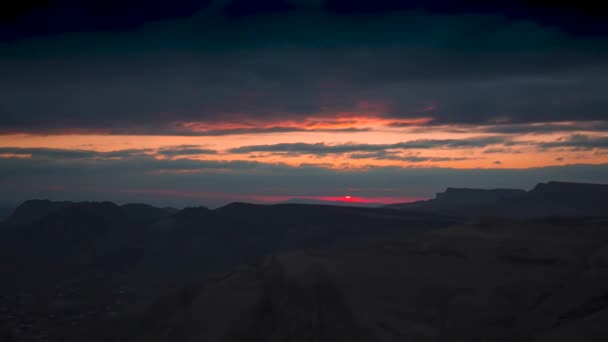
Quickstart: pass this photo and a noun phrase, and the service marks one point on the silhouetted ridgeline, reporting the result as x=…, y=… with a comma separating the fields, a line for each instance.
x=546, y=199
x=81, y=264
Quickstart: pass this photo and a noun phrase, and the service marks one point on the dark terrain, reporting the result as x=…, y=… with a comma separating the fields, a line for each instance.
x=471, y=265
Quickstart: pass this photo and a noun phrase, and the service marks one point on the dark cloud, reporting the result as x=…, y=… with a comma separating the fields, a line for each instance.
x=67, y=154
x=60, y=154
x=30, y=18
x=236, y=131
x=518, y=129
x=241, y=8
x=579, y=141
x=508, y=150
x=583, y=17
x=322, y=148
x=386, y=155
x=184, y=150
x=454, y=68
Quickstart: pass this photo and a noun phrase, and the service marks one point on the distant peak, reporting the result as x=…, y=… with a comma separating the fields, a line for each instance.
x=568, y=186
x=34, y=210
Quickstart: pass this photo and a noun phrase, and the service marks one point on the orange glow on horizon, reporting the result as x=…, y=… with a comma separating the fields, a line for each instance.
x=521, y=150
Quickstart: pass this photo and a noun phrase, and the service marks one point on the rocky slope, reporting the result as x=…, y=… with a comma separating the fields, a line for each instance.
x=485, y=281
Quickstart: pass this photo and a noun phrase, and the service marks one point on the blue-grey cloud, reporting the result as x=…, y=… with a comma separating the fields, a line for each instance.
x=60, y=154
x=514, y=129
x=387, y=155
x=184, y=150
x=578, y=141
x=322, y=148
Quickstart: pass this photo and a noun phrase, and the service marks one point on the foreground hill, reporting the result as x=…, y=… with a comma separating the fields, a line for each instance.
x=546, y=199
x=536, y=281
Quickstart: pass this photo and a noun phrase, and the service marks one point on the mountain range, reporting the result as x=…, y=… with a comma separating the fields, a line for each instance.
x=469, y=265
x=544, y=200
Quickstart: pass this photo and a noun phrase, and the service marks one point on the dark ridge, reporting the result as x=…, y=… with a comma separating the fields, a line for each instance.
x=144, y=213
x=545, y=200
x=239, y=205
x=34, y=210
x=461, y=201
x=192, y=215
x=87, y=214
x=476, y=197
x=570, y=188
x=171, y=210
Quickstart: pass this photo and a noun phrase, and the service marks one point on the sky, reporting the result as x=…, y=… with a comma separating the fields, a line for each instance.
x=206, y=102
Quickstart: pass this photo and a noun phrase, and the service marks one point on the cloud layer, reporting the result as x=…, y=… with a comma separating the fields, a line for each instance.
x=232, y=99
x=169, y=76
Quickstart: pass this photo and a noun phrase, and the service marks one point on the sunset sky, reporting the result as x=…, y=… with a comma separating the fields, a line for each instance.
x=193, y=102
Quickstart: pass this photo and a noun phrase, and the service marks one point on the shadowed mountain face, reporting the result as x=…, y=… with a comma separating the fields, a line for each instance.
x=291, y=272
x=546, y=199
x=93, y=267
x=489, y=281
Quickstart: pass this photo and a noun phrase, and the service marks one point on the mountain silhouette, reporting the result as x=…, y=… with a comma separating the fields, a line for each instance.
x=147, y=214
x=544, y=200
x=461, y=201
x=492, y=265
x=34, y=210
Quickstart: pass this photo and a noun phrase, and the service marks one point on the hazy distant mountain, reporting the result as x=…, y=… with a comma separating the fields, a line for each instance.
x=460, y=201
x=33, y=210
x=338, y=203
x=558, y=199
x=546, y=199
